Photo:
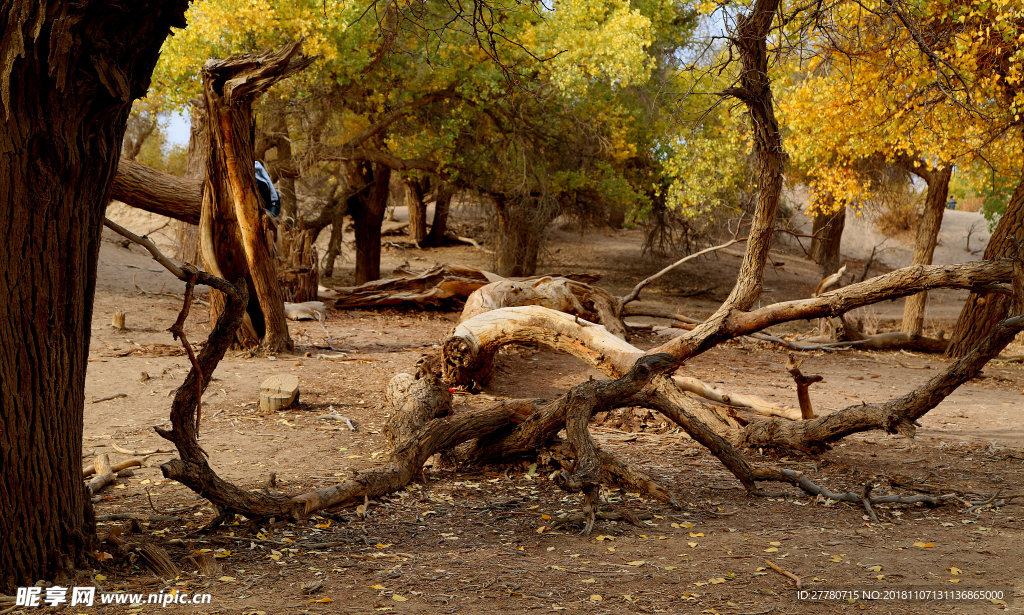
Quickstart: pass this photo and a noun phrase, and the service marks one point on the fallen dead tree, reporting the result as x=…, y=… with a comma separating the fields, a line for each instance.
x=554, y=292
x=425, y=423
x=444, y=285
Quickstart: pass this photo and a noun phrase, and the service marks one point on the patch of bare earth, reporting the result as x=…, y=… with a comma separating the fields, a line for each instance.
x=491, y=542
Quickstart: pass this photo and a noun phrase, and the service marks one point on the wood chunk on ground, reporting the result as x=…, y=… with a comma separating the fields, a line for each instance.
x=278, y=392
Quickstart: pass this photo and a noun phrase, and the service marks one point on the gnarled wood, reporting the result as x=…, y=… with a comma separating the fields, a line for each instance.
x=234, y=217
x=557, y=293
x=442, y=285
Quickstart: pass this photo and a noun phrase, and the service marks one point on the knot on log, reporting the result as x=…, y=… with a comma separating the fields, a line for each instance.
x=649, y=366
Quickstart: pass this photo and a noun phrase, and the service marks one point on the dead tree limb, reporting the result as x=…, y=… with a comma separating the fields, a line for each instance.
x=894, y=416
x=803, y=384
x=635, y=293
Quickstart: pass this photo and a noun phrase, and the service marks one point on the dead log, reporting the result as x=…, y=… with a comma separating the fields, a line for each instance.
x=444, y=285
x=468, y=354
x=103, y=474
x=557, y=293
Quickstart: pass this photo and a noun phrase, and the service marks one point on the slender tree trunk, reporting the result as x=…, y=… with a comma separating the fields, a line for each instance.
x=983, y=311
x=755, y=90
x=64, y=120
x=417, y=210
x=442, y=205
x=828, y=235
x=187, y=234
x=368, y=215
x=334, y=245
x=924, y=243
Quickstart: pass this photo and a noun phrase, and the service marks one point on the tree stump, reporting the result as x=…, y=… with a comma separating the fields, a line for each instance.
x=278, y=392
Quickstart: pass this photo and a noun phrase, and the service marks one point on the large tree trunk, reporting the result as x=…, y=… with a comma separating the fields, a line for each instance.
x=828, y=235
x=367, y=211
x=235, y=232
x=925, y=240
x=983, y=310
x=65, y=109
x=442, y=205
x=520, y=234
x=417, y=210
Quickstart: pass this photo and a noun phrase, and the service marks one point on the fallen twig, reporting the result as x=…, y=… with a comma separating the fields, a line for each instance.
x=785, y=573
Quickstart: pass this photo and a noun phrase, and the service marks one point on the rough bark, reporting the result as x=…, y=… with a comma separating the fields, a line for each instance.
x=161, y=193
x=828, y=235
x=233, y=220
x=926, y=238
x=442, y=205
x=983, y=310
x=367, y=210
x=520, y=226
x=445, y=285
x=65, y=108
x=417, y=210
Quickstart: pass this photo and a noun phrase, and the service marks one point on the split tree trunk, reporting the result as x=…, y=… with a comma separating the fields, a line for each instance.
x=417, y=210
x=233, y=227
x=925, y=239
x=983, y=310
x=65, y=111
x=828, y=235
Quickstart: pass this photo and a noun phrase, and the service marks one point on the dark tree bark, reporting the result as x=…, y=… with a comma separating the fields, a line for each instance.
x=983, y=310
x=828, y=235
x=67, y=80
x=442, y=205
x=367, y=210
x=520, y=235
x=927, y=236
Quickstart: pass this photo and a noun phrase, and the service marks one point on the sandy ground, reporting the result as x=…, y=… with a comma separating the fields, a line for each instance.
x=487, y=542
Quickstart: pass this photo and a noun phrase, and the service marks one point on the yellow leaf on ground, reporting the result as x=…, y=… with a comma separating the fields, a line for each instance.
x=100, y=577
x=323, y=600
x=696, y=534
x=398, y=598
x=836, y=558
x=875, y=568
x=225, y=579
x=589, y=581
x=637, y=562
x=771, y=549
x=775, y=544
x=692, y=544
x=378, y=586
x=955, y=570
x=596, y=597
x=924, y=545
